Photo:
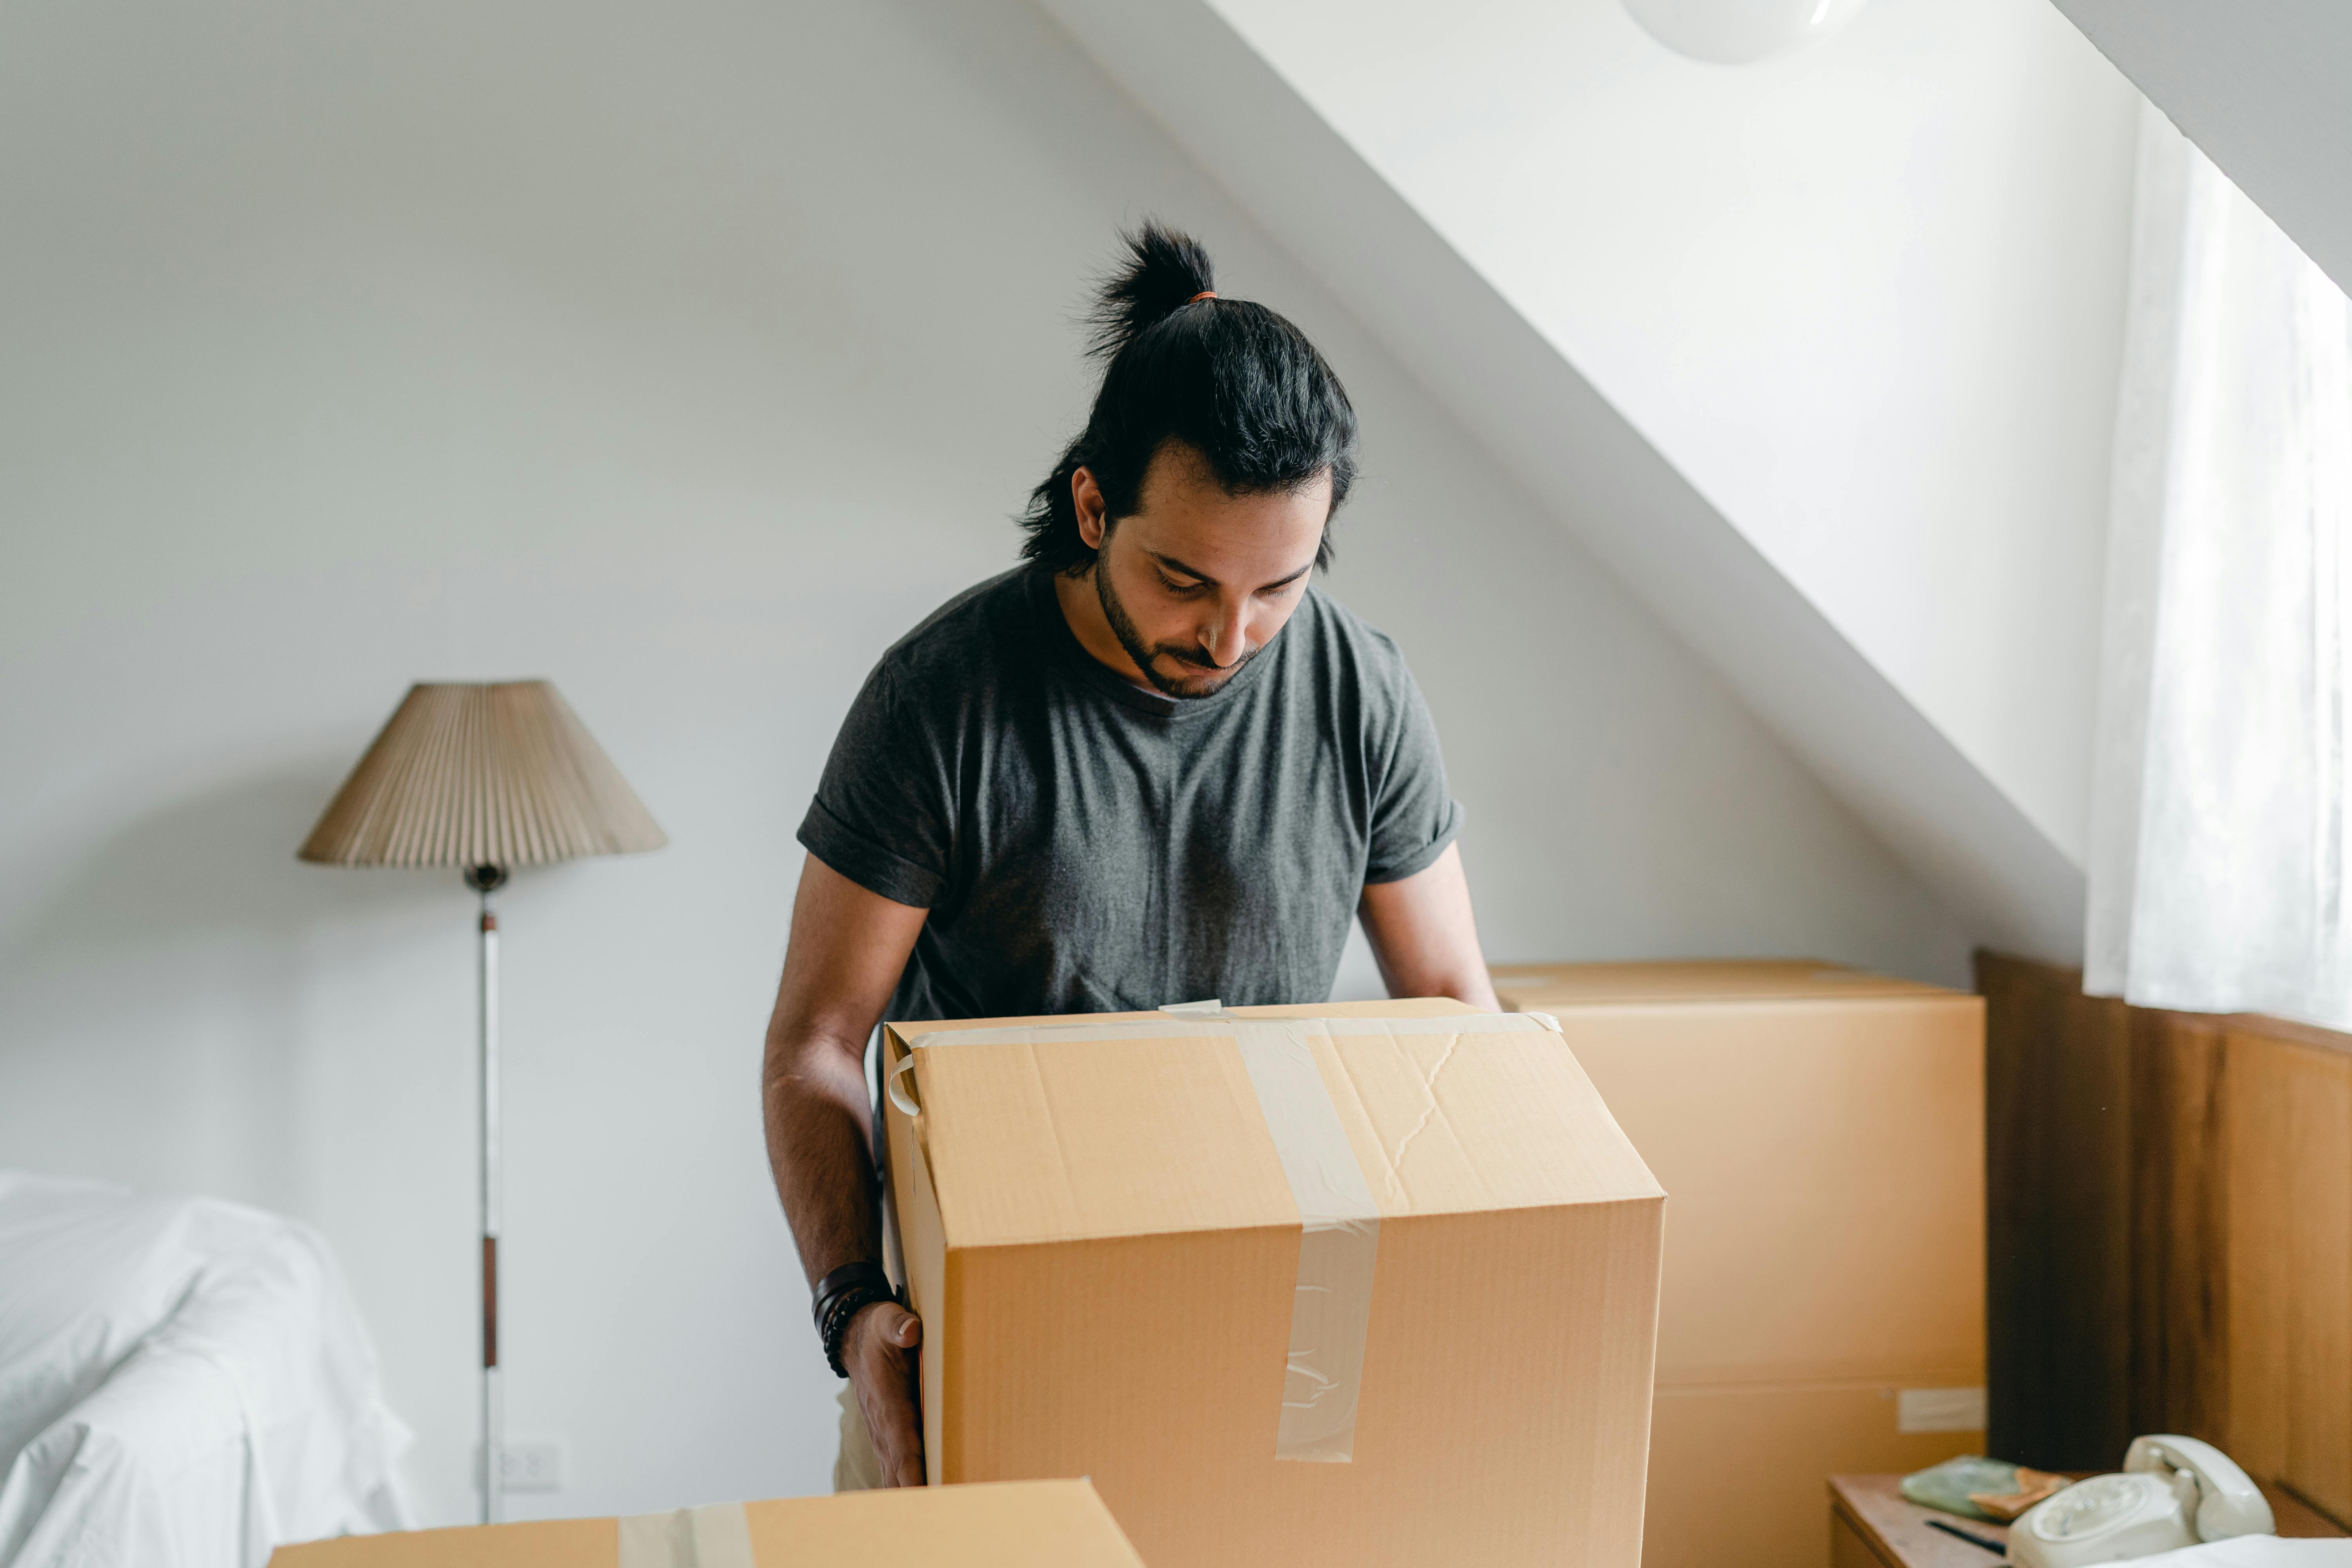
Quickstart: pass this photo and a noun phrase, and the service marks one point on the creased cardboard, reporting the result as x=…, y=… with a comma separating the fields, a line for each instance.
x=1104, y=1245
x=1036, y=1524
x=1822, y=1130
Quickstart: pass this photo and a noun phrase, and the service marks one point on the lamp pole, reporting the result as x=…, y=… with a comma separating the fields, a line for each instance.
x=483, y=776
x=486, y=879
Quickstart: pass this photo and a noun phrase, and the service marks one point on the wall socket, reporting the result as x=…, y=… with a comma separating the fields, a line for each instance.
x=1940, y=1410
x=526, y=1464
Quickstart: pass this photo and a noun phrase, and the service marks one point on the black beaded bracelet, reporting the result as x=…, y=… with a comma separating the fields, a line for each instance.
x=838, y=1298
x=847, y=1276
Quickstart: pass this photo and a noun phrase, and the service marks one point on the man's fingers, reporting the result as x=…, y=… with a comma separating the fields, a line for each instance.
x=887, y=1323
x=899, y=1444
x=910, y=1471
x=885, y=1366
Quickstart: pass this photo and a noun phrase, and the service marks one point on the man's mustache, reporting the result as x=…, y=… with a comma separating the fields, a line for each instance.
x=1200, y=660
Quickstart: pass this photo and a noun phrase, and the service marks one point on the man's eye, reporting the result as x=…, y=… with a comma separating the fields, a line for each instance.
x=1174, y=586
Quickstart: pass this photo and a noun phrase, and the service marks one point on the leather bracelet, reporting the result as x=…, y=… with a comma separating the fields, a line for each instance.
x=839, y=1297
x=843, y=1279
x=844, y=1311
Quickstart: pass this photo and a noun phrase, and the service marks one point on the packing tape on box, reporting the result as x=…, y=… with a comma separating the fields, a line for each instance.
x=714, y=1536
x=1340, y=1220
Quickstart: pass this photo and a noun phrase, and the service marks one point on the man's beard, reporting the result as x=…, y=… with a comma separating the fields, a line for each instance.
x=1123, y=628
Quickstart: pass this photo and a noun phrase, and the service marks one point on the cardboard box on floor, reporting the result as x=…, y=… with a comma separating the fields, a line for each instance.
x=1822, y=1130
x=1105, y=1242
x=1033, y=1524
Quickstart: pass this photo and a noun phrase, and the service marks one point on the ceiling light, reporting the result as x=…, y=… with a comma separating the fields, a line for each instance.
x=1735, y=32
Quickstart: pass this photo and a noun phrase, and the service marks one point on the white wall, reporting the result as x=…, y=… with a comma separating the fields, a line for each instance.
x=1600, y=479
x=1868, y=296
x=683, y=355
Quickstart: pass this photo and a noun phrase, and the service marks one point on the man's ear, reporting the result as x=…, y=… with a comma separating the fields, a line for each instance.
x=1087, y=496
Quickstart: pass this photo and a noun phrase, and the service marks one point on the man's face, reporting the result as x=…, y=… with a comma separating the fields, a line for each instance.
x=1197, y=582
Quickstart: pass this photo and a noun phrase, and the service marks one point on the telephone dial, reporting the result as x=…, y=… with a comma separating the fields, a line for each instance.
x=2173, y=1493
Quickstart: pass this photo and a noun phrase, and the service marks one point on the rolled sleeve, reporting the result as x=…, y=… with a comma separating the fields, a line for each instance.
x=873, y=867
x=881, y=817
x=1415, y=816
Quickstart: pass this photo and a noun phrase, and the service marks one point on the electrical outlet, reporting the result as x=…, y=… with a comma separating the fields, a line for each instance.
x=1940, y=1410
x=529, y=1465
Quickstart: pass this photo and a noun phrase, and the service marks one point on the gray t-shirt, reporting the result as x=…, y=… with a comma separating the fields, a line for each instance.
x=1085, y=846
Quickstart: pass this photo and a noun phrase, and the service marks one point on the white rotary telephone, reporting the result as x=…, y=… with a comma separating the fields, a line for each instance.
x=2173, y=1493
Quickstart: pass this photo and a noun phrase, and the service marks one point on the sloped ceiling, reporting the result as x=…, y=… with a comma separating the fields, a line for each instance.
x=2264, y=89
x=1547, y=426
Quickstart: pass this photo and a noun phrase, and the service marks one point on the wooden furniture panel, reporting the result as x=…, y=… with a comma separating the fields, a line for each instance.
x=2289, y=1178
x=1849, y=1549
x=2169, y=1209
x=2179, y=1339
x=2058, y=1186
x=2256, y=1271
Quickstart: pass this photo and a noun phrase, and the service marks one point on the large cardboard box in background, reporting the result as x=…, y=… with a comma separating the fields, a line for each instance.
x=1821, y=1132
x=1035, y=1524
x=1102, y=1226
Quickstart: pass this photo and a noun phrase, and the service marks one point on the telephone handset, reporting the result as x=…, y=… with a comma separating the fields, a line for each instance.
x=2173, y=1493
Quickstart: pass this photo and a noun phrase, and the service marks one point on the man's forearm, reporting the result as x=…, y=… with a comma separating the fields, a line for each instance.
x=820, y=1147
x=1423, y=935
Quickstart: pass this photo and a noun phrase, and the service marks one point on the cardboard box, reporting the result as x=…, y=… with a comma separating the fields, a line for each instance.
x=1034, y=1524
x=1101, y=1227
x=1823, y=1133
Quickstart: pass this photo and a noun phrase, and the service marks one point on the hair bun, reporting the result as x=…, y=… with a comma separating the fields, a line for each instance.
x=1230, y=380
x=1164, y=273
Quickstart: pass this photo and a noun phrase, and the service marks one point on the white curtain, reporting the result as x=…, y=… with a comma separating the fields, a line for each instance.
x=2219, y=847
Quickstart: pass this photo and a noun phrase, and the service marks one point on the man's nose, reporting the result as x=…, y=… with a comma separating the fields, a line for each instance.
x=1226, y=638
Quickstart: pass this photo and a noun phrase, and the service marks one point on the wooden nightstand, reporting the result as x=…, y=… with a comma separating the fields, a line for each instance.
x=1872, y=1526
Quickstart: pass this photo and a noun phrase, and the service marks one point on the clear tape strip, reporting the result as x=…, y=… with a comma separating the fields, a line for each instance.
x=1338, y=1241
x=716, y=1535
x=1340, y=1221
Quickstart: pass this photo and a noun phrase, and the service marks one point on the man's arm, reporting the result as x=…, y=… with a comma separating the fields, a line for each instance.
x=847, y=950
x=1425, y=936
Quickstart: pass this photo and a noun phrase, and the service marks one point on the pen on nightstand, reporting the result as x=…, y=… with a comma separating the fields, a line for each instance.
x=1970, y=1536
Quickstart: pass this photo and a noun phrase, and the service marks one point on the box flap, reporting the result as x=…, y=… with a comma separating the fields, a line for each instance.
x=1087, y=1138
x=1001, y=1525
x=1456, y=1123
x=1008, y=1524
x=542, y=1544
x=1064, y=1136
x=1396, y=1008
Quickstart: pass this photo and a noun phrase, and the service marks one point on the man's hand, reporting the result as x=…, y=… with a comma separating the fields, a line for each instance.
x=880, y=1349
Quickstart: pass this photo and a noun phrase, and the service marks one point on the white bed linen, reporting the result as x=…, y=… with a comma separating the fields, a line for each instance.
x=2253, y=1552
x=184, y=1384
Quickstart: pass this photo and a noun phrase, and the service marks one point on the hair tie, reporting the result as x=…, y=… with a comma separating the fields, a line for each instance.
x=1204, y=294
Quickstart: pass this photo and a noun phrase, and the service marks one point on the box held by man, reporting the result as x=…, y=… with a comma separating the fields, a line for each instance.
x=1361, y=1284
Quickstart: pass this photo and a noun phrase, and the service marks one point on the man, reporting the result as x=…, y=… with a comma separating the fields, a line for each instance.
x=1153, y=766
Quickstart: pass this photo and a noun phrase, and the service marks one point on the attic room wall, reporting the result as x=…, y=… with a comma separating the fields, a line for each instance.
x=685, y=356
x=1868, y=296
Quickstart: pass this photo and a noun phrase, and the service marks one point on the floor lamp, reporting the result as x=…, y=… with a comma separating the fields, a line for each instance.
x=486, y=778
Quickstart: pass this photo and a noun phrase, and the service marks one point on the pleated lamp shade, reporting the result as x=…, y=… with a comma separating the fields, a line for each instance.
x=500, y=775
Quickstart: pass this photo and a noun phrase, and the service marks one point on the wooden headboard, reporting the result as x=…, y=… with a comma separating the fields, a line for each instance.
x=2169, y=1224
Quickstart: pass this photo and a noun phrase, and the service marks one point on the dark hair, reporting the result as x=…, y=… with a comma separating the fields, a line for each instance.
x=1229, y=378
